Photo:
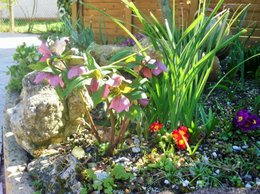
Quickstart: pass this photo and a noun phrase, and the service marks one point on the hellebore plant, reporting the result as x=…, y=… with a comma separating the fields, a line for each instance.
x=71, y=73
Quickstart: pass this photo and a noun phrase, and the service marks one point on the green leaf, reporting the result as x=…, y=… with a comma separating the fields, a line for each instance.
x=137, y=95
x=119, y=173
x=97, y=96
x=132, y=65
x=151, y=66
x=122, y=54
x=92, y=65
x=40, y=66
x=73, y=60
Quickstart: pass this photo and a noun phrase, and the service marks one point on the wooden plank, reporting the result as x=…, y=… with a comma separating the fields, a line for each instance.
x=101, y=1
x=107, y=6
x=194, y=5
x=238, y=1
x=74, y=12
x=119, y=14
x=128, y=19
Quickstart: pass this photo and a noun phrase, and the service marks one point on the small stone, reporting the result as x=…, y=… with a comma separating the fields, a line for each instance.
x=136, y=141
x=257, y=181
x=205, y=159
x=166, y=182
x=248, y=178
x=214, y=154
x=135, y=169
x=248, y=186
x=101, y=174
x=122, y=159
x=199, y=184
x=236, y=148
x=185, y=183
x=136, y=149
x=217, y=171
x=245, y=146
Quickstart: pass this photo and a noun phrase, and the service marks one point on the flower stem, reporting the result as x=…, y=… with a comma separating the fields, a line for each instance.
x=89, y=118
x=113, y=129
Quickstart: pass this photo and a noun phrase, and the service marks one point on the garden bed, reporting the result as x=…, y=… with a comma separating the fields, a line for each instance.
x=228, y=158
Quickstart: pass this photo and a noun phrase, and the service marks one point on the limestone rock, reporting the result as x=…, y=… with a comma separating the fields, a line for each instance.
x=40, y=117
x=56, y=171
x=103, y=53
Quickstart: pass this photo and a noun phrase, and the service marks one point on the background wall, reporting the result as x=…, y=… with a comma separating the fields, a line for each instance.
x=38, y=9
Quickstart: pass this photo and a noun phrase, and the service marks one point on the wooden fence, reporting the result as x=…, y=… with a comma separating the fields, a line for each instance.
x=185, y=11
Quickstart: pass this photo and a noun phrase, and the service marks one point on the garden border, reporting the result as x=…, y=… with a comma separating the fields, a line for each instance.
x=17, y=179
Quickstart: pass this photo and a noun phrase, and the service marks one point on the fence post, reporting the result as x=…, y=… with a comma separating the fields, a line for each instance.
x=11, y=15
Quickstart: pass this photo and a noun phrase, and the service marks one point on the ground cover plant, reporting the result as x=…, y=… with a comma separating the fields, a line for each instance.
x=157, y=128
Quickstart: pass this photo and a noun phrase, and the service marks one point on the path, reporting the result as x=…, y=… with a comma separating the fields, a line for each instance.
x=8, y=44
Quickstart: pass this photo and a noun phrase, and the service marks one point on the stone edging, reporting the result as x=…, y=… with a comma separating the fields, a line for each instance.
x=17, y=179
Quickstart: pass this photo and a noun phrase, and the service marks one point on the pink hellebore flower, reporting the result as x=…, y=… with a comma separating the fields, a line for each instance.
x=44, y=50
x=76, y=71
x=53, y=80
x=94, y=85
x=143, y=102
x=160, y=67
x=115, y=81
x=147, y=72
x=120, y=103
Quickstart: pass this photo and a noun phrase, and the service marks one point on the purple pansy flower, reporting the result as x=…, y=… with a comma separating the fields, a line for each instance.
x=246, y=121
x=52, y=79
x=76, y=71
x=120, y=103
x=254, y=122
x=241, y=117
x=44, y=50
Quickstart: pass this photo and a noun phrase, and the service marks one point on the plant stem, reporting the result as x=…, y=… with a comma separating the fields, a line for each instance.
x=122, y=131
x=113, y=129
x=89, y=118
x=119, y=137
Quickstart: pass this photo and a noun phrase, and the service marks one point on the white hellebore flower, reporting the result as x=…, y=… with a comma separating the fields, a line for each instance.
x=59, y=45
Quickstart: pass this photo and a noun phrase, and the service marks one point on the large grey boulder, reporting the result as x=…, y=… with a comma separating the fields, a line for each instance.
x=40, y=117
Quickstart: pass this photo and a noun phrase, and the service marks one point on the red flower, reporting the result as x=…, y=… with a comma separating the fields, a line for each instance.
x=179, y=135
x=156, y=126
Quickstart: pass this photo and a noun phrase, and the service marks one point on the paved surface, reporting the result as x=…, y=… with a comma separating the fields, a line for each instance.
x=8, y=44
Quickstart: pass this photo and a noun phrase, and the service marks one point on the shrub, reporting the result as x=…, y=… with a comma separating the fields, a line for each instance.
x=24, y=56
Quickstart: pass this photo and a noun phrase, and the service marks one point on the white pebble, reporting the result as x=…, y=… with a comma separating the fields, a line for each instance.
x=248, y=185
x=185, y=183
x=214, y=154
x=166, y=182
x=257, y=182
x=136, y=141
x=217, y=171
x=236, y=148
x=136, y=149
